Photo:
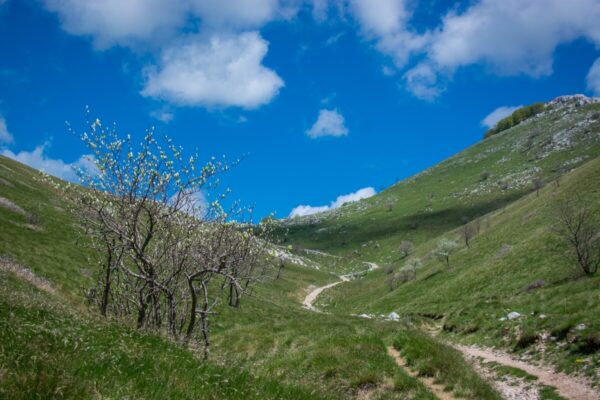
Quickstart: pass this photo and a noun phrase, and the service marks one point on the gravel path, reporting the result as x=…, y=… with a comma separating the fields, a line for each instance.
x=567, y=386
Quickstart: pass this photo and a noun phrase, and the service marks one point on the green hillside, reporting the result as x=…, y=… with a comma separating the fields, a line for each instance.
x=55, y=345
x=483, y=178
x=515, y=263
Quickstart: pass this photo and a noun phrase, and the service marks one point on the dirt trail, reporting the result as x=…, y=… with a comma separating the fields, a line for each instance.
x=567, y=386
x=312, y=296
x=435, y=388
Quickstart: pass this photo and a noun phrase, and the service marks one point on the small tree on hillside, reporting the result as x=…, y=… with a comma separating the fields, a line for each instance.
x=537, y=184
x=577, y=224
x=467, y=232
x=413, y=265
x=443, y=251
x=406, y=248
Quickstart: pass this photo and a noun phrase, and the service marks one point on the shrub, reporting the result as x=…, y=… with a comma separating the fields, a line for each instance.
x=515, y=118
x=406, y=247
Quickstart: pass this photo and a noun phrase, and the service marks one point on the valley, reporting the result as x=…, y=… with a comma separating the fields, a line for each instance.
x=367, y=302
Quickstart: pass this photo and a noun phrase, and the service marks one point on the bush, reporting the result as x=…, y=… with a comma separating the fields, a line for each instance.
x=515, y=118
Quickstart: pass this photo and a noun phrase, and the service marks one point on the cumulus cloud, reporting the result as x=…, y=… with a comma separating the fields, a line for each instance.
x=499, y=113
x=329, y=123
x=514, y=36
x=209, y=54
x=223, y=70
x=593, y=78
x=424, y=82
x=238, y=13
x=111, y=22
x=5, y=135
x=509, y=37
x=360, y=194
x=386, y=21
x=39, y=160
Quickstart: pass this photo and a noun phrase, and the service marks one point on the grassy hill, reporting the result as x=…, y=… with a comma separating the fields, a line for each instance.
x=515, y=252
x=514, y=264
x=54, y=345
x=481, y=179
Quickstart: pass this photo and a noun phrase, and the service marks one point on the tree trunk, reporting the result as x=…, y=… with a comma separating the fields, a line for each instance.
x=193, y=307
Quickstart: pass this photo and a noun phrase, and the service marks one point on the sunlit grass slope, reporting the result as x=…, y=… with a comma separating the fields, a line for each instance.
x=483, y=178
x=56, y=346
x=514, y=264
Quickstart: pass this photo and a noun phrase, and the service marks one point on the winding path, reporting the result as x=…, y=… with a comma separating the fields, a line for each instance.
x=567, y=386
x=312, y=296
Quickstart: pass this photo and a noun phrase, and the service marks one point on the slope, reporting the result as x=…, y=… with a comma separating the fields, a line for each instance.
x=515, y=264
x=483, y=178
x=54, y=345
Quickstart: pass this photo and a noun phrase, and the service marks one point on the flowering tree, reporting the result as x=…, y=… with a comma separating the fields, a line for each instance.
x=165, y=256
x=445, y=247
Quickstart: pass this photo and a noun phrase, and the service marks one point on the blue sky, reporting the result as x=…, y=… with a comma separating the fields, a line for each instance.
x=323, y=98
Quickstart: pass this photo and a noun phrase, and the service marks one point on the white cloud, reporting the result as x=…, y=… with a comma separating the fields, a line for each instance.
x=162, y=115
x=111, y=22
x=194, y=204
x=514, y=36
x=423, y=82
x=135, y=22
x=331, y=40
x=238, y=13
x=386, y=21
x=360, y=194
x=319, y=9
x=224, y=70
x=39, y=160
x=206, y=55
x=508, y=37
x=5, y=135
x=593, y=78
x=301, y=211
x=499, y=113
x=329, y=123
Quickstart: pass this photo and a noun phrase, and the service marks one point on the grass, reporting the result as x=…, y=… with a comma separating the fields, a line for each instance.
x=446, y=365
x=512, y=371
x=50, y=351
x=271, y=348
x=515, y=249
x=439, y=199
x=57, y=347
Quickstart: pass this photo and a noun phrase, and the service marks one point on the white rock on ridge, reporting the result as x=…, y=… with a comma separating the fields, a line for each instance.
x=512, y=315
x=393, y=316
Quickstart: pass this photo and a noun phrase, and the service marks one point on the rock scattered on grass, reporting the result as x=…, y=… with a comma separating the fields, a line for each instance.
x=9, y=205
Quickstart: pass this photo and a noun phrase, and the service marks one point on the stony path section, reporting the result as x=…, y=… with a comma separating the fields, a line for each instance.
x=435, y=388
x=566, y=385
